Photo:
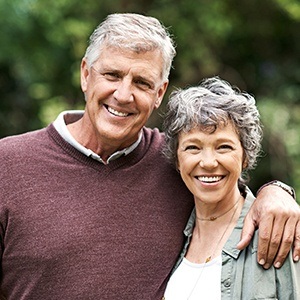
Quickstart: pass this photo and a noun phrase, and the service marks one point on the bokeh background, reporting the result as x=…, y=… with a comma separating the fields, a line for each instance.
x=253, y=44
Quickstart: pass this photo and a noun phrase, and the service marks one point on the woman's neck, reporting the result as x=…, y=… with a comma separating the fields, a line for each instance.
x=210, y=236
x=214, y=208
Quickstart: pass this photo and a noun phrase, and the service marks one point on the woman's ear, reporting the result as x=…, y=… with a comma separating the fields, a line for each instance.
x=245, y=163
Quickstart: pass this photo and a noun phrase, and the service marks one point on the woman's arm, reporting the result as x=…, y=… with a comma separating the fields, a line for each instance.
x=277, y=215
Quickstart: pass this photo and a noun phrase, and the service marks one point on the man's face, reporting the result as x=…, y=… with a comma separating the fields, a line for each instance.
x=122, y=88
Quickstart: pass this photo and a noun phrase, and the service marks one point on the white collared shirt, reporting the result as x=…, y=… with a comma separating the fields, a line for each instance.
x=61, y=126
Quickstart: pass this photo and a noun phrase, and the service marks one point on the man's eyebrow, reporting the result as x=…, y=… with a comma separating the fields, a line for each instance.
x=146, y=79
x=110, y=69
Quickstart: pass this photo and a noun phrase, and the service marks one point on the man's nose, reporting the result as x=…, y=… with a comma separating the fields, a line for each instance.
x=123, y=92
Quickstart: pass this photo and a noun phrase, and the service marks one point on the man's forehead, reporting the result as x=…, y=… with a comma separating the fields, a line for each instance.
x=142, y=64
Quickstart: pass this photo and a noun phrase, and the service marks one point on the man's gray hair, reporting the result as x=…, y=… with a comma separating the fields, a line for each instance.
x=133, y=32
x=212, y=104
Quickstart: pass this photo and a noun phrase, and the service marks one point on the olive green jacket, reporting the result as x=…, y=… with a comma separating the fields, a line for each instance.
x=242, y=277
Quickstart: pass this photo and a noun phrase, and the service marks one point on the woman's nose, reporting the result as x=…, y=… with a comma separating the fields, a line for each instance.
x=208, y=161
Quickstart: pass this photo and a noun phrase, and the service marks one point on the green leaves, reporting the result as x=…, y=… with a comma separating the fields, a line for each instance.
x=253, y=44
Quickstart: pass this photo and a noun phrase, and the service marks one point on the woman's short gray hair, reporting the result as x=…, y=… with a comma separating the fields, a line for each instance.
x=134, y=32
x=211, y=104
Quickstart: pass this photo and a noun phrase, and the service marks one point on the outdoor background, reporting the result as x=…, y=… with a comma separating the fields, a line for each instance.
x=253, y=44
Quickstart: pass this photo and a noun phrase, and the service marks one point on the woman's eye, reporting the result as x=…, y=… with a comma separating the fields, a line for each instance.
x=191, y=147
x=225, y=147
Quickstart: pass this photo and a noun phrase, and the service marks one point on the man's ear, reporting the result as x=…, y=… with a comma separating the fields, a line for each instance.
x=84, y=74
x=160, y=94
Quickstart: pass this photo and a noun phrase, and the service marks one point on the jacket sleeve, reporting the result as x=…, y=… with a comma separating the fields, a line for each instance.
x=288, y=279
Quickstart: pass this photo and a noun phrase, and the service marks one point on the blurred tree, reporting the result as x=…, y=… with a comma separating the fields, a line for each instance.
x=252, y=44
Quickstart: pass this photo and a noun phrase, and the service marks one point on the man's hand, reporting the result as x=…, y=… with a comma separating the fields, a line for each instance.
x=277, y=215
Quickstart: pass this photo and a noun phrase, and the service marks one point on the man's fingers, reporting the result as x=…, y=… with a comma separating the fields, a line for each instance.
x=288, y=232
x=281, y=240
x=264, y=236
x=296, y=250
x=279, y=229
x=247, y=232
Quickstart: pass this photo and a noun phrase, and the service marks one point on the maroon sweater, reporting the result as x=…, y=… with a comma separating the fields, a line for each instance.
x=73, y=228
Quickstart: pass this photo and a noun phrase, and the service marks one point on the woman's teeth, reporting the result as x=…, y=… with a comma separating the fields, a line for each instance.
x=209, y=178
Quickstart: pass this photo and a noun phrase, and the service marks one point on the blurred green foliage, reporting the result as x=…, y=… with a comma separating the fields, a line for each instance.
x=254, y=44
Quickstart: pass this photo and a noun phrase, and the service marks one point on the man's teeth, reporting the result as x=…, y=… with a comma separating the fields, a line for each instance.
x=210, y=179
x=117, y=113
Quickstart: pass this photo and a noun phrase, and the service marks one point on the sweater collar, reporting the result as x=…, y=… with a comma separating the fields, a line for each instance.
x=70, y=116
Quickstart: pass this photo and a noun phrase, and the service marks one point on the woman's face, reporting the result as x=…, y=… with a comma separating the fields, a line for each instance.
x=210, y=164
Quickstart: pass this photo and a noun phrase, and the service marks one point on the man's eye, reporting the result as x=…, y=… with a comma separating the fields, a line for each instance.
x=143, y=84
x=111, y=76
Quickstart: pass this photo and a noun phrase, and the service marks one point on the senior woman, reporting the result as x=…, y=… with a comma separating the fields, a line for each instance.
x=213, y=136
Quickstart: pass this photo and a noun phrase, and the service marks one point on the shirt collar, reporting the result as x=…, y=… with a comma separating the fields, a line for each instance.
x=61, y=127
x=230, y=246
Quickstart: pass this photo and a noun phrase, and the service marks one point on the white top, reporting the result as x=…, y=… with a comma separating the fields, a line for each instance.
x=195, y=281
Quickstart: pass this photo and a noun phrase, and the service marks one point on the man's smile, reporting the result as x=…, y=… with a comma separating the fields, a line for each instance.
x=115, y=112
